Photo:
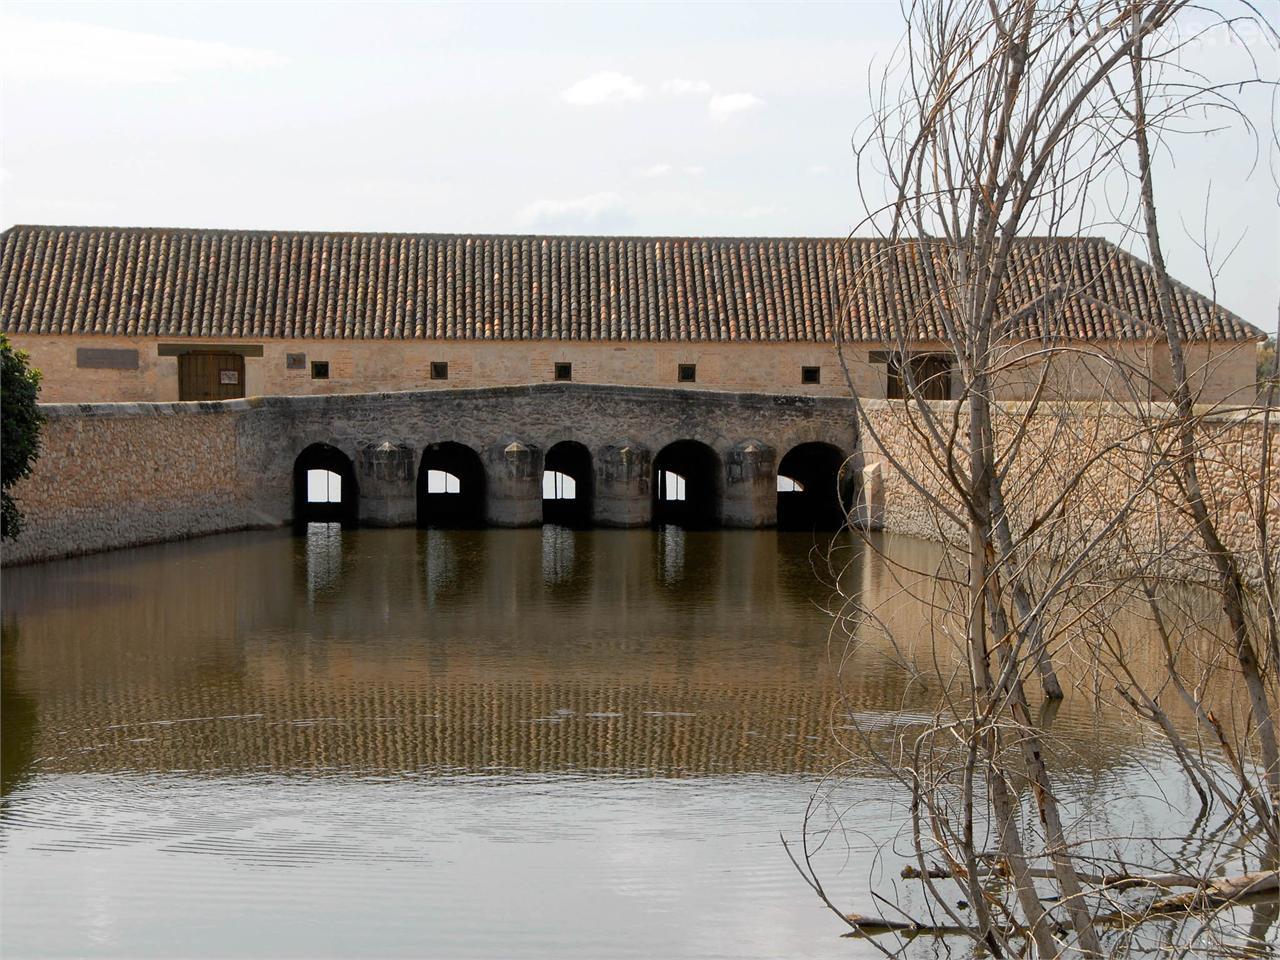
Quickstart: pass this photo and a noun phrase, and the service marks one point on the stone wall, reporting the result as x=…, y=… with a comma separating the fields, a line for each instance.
x=119, y=474
x=1078, y=466
x=113, y=475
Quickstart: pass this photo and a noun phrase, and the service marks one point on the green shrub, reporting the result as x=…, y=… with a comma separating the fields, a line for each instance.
x=20, y=421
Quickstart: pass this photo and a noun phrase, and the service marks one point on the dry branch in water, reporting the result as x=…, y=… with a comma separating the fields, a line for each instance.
x=999, y=120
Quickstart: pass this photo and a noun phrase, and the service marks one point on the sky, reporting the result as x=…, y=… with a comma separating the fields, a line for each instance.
x=658, y=119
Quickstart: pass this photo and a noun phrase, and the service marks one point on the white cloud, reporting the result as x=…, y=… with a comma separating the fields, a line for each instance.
x=65, y=50
x=760, y=211
x=686, y=88
x=606, y=87
x=819, y=169
x=595, y=211
x=654, y=171
x=724, y=105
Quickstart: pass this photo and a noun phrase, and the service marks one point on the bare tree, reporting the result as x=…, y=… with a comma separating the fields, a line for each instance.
x=1013, y=119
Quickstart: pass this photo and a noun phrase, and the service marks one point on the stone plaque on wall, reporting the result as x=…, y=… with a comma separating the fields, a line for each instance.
x=105, y=358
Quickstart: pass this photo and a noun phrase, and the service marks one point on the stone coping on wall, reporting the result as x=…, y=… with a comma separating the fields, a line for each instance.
x=1215, y=413
x=185, y=408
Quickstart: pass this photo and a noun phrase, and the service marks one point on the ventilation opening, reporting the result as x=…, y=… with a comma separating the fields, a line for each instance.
x=440, y=481
x=567, y=486
x=451, y=487
x=686, y=485
x=324, y=487
x=814, y=488
x=558, y=486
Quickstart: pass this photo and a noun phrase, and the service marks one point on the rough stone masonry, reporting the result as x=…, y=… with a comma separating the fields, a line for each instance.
x=121, y=474
x=115, y=475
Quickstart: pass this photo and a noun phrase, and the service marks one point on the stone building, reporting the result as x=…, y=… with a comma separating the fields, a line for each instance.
x=130, y=314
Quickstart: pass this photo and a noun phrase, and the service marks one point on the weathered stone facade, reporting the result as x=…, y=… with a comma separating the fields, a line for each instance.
x=113, y=475
x=1080, y=465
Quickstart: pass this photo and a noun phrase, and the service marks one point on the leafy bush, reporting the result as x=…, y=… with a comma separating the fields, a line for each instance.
x=20, y=421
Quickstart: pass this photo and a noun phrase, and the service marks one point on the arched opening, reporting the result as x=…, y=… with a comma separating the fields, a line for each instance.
x=567, y=485
x=686, y=485
x=451, y=487
x=814, y=489
x=324, y=487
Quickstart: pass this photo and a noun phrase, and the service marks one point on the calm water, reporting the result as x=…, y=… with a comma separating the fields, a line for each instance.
x=536, y=743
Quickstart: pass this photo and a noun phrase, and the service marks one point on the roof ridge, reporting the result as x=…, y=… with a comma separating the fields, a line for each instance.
x=482, y=235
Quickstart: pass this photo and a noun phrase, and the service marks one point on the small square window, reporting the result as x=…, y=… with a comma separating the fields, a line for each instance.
x=295, y=361
x=687, y=372
x=439, y=370
x=564, y=371
x=319, y=369
x=810, y=374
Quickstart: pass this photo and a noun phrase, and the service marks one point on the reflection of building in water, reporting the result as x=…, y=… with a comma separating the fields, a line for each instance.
x=324, y=557
x=440, y=564
x=455, y=650
x=558, y=553
x=672, y=553
x=665, y=728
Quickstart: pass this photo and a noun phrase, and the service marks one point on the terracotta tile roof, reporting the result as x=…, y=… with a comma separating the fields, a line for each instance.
x=254, y=284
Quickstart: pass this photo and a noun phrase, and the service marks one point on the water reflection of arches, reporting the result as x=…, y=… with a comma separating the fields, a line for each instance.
x=814, y=488
x=686, y=485
x=567, y=487
x=324, y=558
x=324, y=487
x=451, y=487
x=566, y=567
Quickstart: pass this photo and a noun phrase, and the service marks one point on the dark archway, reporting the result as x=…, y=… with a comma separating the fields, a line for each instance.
x=814, y=488
x=686, y=485
x=451, y=487
x=324, y=487
x=567, y=485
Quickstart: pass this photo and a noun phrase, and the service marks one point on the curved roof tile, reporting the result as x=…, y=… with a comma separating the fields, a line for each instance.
x=265, y=284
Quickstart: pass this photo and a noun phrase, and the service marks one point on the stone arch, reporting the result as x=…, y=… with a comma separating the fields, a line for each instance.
x=816, y=487
x=572, y=460
x=451, y=487
x=325, y=489
x=687, y=485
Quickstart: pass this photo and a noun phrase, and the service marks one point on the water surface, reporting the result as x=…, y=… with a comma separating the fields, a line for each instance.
x=532, y=743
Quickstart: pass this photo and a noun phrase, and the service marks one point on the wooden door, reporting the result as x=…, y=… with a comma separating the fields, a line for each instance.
x=210, y=376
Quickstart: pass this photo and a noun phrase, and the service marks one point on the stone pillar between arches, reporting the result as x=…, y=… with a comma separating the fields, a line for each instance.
x=750, y=486
x=623, y=497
